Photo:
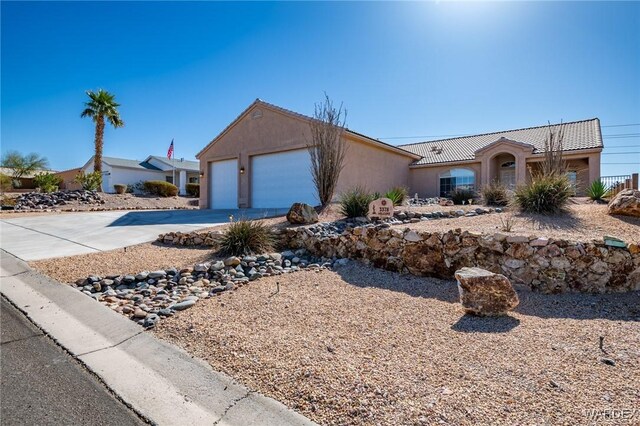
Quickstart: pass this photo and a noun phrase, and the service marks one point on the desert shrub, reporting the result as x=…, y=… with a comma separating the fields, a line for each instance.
x=461, y=195
x=161, y=188
x=495, y=194
x=120, y=188
x=355, y=202
x=193, y=189
x=5, y=183
x=545, y=194
x=47, y=182
x=597, y=190
x=246, y=237
x=89, y=181
x=397, y=195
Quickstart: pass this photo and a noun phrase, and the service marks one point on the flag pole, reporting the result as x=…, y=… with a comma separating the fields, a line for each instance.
x=173, y=158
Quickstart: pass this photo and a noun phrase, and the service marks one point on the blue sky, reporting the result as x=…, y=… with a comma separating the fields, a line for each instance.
x=186, y=70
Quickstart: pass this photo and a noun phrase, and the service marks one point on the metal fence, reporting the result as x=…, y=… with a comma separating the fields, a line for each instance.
x=616, y=184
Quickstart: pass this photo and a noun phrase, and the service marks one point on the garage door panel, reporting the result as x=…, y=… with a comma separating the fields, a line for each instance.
x=281, y=179
x=224, y=184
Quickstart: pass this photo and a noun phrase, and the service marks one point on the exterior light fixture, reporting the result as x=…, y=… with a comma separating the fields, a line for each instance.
x=201, y=173
x=242, y=170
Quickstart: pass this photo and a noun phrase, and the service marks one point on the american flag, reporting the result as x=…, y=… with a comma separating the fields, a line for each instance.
x=170, y=152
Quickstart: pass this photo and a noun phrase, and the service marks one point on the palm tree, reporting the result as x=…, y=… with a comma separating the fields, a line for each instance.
x=102, y=105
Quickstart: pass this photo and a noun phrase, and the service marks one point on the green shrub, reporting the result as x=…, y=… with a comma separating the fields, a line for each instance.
x=246, y=237
x=460, y=195
x=397, y=195
x=120, y=188
x=193, y=189
x=597, y=190
x=355, y=202
x=5, y=183
x=545, y=194
x=495, y=194
x=161, y=188
x=47, y=182
x=90, y=181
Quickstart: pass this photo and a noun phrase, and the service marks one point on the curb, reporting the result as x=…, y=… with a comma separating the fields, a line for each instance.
x=160, y=381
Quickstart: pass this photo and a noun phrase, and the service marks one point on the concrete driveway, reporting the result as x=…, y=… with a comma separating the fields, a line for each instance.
x=48, y=236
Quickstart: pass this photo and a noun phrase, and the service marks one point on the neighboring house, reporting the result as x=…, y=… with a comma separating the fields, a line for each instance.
x=26, y=181
x=261, y=160
x=129, y=172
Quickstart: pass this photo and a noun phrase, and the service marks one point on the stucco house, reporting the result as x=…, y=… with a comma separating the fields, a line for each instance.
x=129, y=172
x=260, y=160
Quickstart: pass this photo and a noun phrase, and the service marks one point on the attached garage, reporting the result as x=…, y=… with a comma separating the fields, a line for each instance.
x=281, y=179
x=271, y=166
x=224, y=184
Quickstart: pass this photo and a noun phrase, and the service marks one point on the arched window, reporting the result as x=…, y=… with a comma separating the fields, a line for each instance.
x=508, y=165
x=457, y=178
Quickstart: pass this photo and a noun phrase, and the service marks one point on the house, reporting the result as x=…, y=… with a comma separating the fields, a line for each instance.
x=25, y=182
x=261, y=160
x=130, y=172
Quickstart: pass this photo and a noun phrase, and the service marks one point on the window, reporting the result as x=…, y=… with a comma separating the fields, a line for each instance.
x=457, y=178
x=508, y=165
x=193, y=179
x=169, y=179
x=573, y=179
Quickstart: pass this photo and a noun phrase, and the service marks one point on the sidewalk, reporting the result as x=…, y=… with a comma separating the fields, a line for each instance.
x=158, y=380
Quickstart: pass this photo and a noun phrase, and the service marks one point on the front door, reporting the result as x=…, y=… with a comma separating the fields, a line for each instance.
x=508, y=178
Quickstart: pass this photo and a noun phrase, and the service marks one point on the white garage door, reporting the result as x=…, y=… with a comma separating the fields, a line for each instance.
x=281, y=179
x=223, y=184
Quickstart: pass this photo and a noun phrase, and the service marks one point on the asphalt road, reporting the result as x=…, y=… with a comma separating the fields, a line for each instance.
x=40, y=384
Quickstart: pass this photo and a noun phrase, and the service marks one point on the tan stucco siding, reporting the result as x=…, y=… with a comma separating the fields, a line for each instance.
x=426, y=180
x=271, y=132
x=375, y=169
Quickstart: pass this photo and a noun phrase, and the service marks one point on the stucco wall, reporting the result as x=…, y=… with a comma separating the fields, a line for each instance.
x=426, y=180
x=375, y=168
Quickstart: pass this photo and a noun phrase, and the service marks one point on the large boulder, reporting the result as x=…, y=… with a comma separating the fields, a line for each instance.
x=484, y=293
x=302, y=214
x=626, y=203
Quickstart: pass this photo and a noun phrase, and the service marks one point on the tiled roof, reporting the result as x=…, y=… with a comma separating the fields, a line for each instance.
x=132, y=164
x=583, y=134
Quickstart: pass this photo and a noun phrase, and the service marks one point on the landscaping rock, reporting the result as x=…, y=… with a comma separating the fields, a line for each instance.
x=626, y=203
x=302, y=214
x=484, y=293
x=183, y=305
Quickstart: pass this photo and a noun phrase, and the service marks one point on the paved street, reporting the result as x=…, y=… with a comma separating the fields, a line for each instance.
x=42, y=385
x=58, y=235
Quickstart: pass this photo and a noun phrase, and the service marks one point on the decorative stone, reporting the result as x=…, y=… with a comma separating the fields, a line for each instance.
x=517, y=239
x=412, y=236
x=539, y=242
x=614, y=242
x=302, y=214
x=626, y=203
x=232, y=261
x=484, y=293
x=183, y=305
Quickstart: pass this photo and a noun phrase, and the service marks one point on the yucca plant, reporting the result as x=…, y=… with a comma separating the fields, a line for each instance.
x=545, y=194
x=355, y=202
x=495, y=194
x=397, y=195
x=245, y=237
x=597, y=190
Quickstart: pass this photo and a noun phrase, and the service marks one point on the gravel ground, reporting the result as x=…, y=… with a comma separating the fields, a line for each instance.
x=581, y=222
x=366, y=346
x=115, y=201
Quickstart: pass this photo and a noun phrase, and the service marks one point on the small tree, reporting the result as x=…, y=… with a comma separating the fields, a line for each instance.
x=327, y=148
x=22, y=165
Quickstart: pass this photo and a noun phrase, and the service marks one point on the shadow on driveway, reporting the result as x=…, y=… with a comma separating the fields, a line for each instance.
x=192, y=217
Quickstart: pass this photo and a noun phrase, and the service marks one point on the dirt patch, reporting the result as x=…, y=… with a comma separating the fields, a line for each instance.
x=581, y=222
x=365, y=346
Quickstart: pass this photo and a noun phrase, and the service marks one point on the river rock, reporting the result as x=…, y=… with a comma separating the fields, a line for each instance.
x=183, y=305
x=626, y=203
x=484, y=293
